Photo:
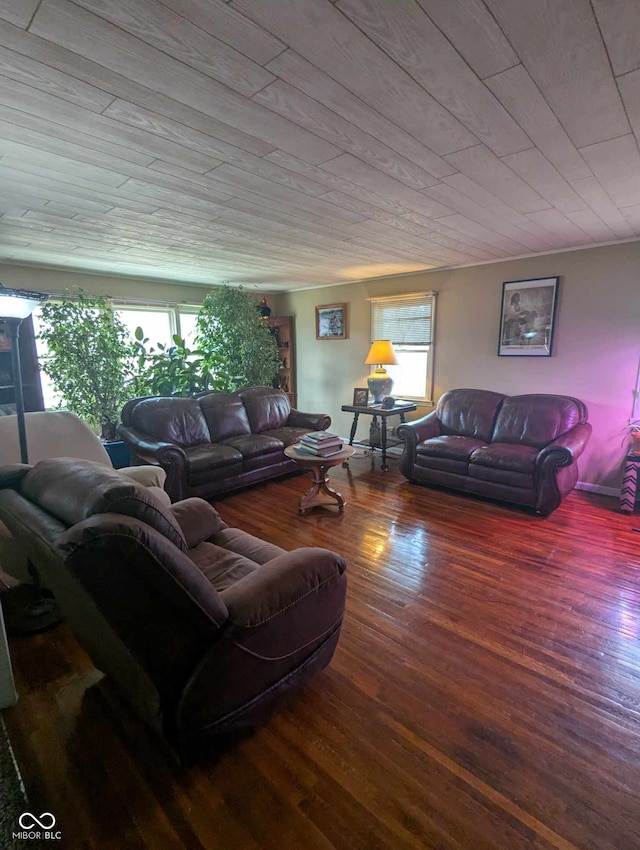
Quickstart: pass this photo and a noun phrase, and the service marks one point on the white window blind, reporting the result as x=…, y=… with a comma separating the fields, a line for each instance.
x=404, y=319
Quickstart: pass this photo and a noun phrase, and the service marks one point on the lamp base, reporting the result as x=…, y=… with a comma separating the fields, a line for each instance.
x=380, y=384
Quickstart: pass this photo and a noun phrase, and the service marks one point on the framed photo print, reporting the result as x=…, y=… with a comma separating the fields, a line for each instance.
x=331, y=321
x=527, y=317
x=360, y=397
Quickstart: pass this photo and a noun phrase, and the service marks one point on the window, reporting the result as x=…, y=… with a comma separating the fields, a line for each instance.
x=408, y=321
x=156, y=324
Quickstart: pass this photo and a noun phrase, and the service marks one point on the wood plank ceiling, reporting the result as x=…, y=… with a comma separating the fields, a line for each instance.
x=295, y=143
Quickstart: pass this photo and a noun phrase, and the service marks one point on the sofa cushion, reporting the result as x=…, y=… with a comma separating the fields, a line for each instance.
x=469, y=413
x=536, y=420
x=206, y=461
x=91, y=488
x=171, y=420
x=253, y=445
x=448, y=446
x=225, y=415
x=504, y=477
x=222, y=567
x=510, y=456
x=287, y=435
x=267, y=408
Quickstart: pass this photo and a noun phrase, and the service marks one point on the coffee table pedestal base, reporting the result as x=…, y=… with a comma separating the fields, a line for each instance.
x=320, y=486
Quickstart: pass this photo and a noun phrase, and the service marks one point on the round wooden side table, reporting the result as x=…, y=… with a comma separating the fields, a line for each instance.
x=319, y=467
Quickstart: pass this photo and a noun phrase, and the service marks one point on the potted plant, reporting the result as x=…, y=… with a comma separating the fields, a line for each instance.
x=170, y=369
x=632, y=436
x=236, y=343
x=88, y=360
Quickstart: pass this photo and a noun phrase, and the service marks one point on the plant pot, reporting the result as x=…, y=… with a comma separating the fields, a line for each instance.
x=119, y=453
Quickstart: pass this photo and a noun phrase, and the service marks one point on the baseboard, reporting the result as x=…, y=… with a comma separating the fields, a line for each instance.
x=598, y=488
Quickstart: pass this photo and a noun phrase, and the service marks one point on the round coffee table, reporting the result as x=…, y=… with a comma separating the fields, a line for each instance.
x=319, y=467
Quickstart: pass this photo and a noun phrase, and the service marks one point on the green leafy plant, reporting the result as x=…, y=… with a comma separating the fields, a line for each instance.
x=89, y=352
x=169, y=370
x=236, y=343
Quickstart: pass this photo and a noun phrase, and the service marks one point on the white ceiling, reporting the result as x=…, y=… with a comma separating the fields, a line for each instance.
x=295, y=143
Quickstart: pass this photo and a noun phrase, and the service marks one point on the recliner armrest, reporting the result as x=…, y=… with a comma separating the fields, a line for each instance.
x=12, y=474
x=313, y=421
x=280, y=585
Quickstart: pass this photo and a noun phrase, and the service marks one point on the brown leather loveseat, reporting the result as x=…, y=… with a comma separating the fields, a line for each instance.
x=219, y=441
x=203, y=627
x=520, y=449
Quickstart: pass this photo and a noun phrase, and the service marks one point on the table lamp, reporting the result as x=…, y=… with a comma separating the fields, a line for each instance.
x=380, y=354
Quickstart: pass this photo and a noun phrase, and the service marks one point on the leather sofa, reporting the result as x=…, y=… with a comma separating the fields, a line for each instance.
x=203, y=627
x=520, y=449
x=219, y=441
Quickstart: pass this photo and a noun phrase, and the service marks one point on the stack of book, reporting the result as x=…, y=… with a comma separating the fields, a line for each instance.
x=321, y=444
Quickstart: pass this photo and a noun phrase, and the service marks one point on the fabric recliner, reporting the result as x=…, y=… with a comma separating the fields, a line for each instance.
x=203, y=627
x=59, y=433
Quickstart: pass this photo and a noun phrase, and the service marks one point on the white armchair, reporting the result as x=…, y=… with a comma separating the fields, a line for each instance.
x=59, y=433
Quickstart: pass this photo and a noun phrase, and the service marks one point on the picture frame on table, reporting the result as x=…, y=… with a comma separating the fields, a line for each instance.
x=360, y=397
x=331, y=321
x=527, y=317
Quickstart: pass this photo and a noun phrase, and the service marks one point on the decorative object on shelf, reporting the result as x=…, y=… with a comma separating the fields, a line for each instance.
x=360, y=396
x=263, y=307
x=380, y=354
x=527, y=317
x=388, y=402
x=331, y=321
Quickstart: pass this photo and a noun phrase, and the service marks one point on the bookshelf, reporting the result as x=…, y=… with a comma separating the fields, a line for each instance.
x=283, y=332
x=31, y=388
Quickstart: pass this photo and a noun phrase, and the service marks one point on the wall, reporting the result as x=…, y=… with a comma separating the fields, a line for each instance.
x=595, y=354
x=56, y=280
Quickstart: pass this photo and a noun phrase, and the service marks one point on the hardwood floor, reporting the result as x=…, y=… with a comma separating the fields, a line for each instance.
x=485, y=693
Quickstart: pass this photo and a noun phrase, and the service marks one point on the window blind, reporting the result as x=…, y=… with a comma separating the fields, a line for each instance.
x=404, y=319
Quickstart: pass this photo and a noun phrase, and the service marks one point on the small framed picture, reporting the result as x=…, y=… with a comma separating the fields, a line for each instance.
x=527, y=318
x=331, y=321
x=360, y=397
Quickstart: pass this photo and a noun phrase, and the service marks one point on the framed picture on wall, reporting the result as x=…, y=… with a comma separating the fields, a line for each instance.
x=331, y=321
x=527, y=317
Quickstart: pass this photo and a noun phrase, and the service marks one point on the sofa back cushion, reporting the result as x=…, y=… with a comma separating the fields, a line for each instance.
x=267, y=408
x=171, y=420
x=73, y=490
x=537, y=419
x=469, y=413
x=225, y=415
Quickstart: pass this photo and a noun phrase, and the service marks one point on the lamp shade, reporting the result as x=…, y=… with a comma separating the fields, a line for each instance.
x=381, y=353
x=19, y=303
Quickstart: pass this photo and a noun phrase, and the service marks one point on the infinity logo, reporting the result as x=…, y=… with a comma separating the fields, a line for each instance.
x=27, y=820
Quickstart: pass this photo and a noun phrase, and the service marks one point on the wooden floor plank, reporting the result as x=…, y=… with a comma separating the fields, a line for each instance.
x=485, y=693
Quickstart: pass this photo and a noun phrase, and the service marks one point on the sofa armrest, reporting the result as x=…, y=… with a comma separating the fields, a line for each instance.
x=146, y=444
x=279, y=586
x=313, y=421
x=567, y=448
x=198, y=520
x=420, y=429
